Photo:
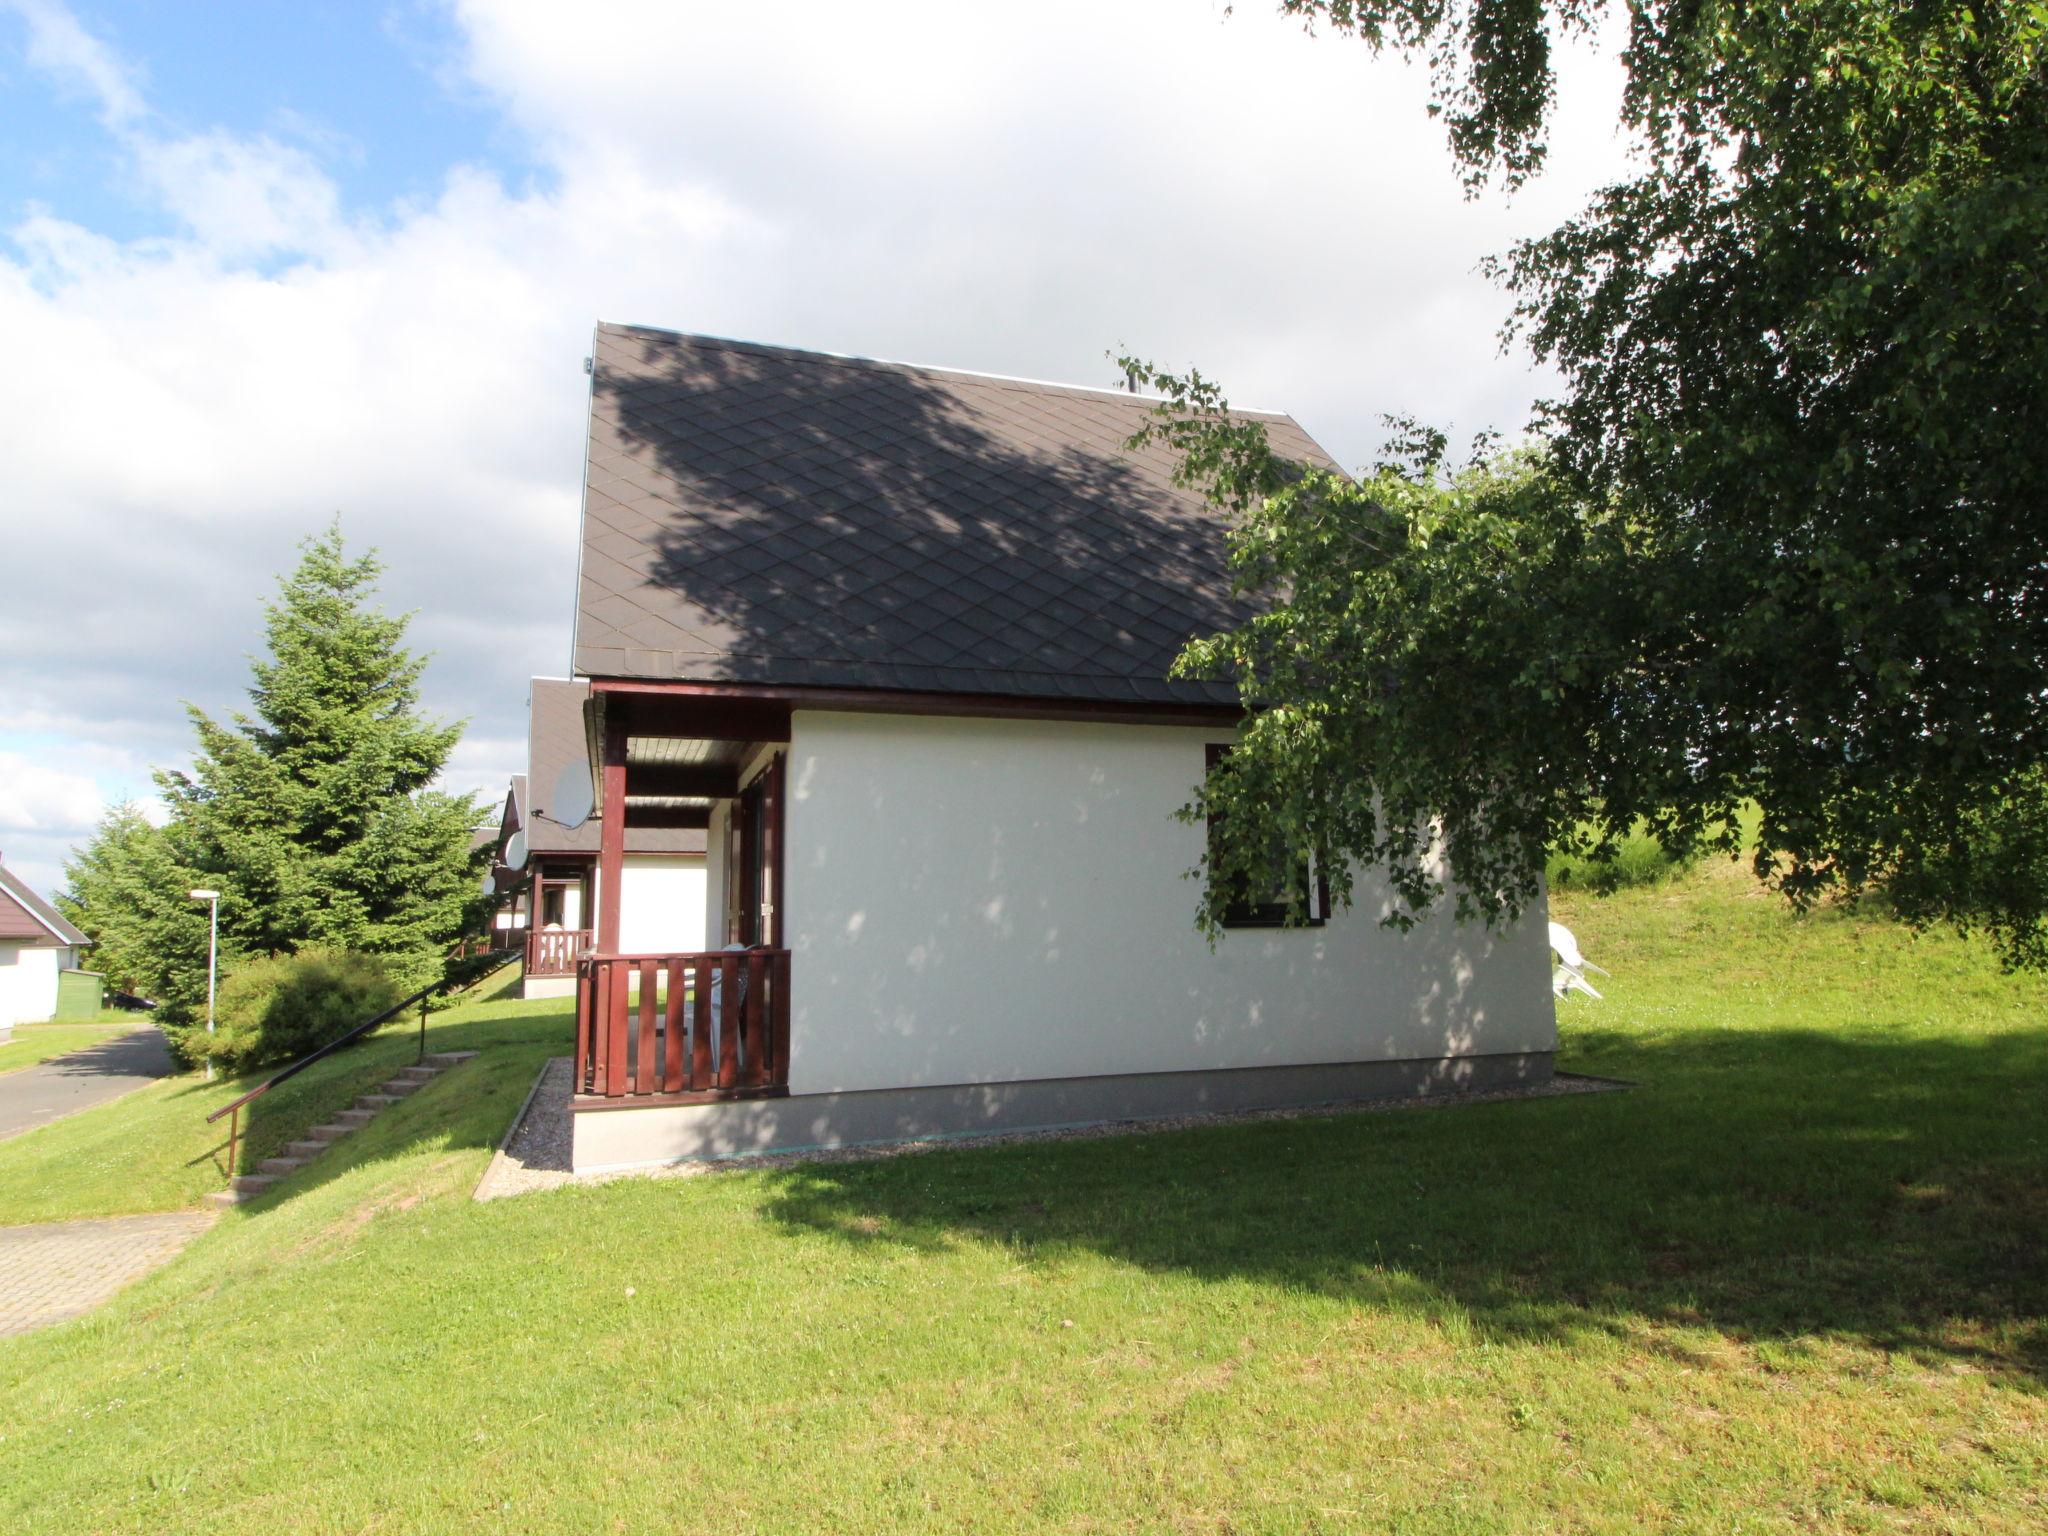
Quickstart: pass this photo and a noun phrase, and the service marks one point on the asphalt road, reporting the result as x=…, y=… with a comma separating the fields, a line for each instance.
x=64, y=1085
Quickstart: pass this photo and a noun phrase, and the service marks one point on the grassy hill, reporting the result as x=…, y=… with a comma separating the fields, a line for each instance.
x=1794, y=1281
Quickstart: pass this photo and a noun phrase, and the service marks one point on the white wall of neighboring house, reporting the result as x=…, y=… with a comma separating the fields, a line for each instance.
x=1003, y=900
x=661, y=903
x=28, y=981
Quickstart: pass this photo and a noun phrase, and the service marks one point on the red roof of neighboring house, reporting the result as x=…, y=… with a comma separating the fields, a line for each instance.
x=25, y=915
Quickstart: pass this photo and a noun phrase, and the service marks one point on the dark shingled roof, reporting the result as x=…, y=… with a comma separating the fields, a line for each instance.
x=25, y=915
x=760, y=515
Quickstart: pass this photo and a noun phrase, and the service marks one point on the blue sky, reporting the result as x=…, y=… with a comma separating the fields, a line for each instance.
x=263, y=263
x=374, y=92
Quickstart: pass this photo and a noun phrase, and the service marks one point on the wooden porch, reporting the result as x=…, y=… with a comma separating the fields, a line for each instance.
x=555, y=951
x=686, y=1026
x=681, y=1028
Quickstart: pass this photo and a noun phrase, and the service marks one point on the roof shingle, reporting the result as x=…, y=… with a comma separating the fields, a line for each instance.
x=760, y=515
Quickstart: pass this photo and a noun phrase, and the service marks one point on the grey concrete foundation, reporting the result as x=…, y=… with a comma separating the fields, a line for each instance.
x=548, y=986
x=644, y=1136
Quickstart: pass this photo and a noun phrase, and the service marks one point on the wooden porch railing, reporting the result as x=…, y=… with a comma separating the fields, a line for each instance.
x=554, y=951
x=709, y=1025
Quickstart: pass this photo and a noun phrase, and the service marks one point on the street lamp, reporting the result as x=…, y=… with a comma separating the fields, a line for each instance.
x=212, y=899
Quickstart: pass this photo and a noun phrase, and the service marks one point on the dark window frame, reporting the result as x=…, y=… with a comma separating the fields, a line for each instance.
x=1315, y=885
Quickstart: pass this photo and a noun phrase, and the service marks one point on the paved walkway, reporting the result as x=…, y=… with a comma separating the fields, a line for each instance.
x=64, y=1269
x=64, y=1085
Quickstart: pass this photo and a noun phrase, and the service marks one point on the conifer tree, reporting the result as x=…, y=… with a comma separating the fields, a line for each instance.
x=129, y=890
x=314, y=813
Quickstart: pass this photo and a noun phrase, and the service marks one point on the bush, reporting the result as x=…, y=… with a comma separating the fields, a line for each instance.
x=1636, y=860
x=279, y=1007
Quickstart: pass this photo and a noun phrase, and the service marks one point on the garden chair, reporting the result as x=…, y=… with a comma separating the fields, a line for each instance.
x=1570, y=972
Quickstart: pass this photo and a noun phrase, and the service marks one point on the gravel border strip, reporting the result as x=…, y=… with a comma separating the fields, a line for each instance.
x=502, y=1174
x=535, y=1154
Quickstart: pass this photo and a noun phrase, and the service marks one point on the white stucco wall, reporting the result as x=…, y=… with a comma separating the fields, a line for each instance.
x=996, y=900
x=28, y=981
x=661, y=904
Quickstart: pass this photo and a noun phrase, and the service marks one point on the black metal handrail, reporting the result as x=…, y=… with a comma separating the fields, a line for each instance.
x=498, y=963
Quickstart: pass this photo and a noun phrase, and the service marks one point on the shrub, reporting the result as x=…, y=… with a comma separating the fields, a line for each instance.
x=1636, y=860
x=279, y=1007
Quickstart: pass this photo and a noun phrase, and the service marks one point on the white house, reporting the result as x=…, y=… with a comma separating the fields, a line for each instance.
x=37, y=945
x=897, y=640
x=551, y=896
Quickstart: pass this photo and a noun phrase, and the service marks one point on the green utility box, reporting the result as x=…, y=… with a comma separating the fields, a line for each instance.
x=79, y=994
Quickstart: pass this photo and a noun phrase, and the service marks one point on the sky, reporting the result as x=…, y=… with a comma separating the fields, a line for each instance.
x=264, y=264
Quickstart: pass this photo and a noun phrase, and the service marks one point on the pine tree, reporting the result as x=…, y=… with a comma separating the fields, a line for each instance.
x=129, y=891
x=314, y=814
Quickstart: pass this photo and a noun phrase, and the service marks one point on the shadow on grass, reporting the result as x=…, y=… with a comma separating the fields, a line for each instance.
x=526, y=1034
x=1780, y=1187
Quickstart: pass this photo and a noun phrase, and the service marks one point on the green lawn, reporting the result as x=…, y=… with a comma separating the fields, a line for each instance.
x=152, y=1150
x=1795, y=1281
x=39, y=1042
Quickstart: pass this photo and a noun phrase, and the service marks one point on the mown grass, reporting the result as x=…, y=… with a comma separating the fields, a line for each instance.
x=1792, y=1282
x=34, y=1043
x=152, y=1150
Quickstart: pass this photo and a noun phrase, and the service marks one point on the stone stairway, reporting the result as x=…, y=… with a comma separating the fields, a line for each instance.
x=367, y=1107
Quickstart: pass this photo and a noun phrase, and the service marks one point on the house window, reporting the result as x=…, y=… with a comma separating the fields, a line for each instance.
x=1291, y=889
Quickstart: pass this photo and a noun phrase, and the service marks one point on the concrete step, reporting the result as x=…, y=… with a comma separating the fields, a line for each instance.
x=328, y=1134
x=399, y=1088
x=448, y=1058
x=225, y=1197
x=357, y=1116
x=252, y=1183
x=419, y=1074
x=376, y=1101
x=278, y=1167
x=304, y=1149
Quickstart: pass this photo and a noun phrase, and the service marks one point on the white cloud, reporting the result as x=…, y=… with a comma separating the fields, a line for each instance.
x=59, y=46
x=976, y=186
x=35, y=797
x=242, y=198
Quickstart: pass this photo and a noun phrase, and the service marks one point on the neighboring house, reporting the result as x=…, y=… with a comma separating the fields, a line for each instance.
x=555, y=890
x=897, y=640
x=37, y=945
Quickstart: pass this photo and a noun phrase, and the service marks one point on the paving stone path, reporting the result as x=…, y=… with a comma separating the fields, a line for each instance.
x=64, y=1269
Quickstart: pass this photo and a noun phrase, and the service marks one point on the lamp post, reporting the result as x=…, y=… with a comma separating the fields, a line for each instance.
x=212, y=900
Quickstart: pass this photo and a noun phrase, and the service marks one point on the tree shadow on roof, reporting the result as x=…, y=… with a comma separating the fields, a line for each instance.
x=769, y=516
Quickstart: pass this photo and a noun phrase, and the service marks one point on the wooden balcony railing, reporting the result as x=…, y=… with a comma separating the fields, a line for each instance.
x=707, y=1026
x=554, y=951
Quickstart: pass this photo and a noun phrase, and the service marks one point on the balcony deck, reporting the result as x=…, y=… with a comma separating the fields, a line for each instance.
x=681, y=1028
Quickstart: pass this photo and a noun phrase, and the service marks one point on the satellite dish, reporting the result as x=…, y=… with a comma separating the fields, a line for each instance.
x=490, y=885
x=515, y=851
x=573, y=796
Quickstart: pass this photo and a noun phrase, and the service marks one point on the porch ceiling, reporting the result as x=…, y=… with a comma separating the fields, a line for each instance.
x=683, y=752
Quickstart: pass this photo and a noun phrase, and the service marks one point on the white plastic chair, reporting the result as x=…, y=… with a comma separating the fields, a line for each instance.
x=1570, y=972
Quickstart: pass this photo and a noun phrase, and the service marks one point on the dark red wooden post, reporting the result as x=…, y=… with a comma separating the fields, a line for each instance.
x=778, y=1023
x=586, y=1026
x=778, y=819
x=756, y=1022
x=644, y=1080
x=615, y=999
x=700, y=1031
x=728, y=1020
x=611, y=846
x=672, y=1027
